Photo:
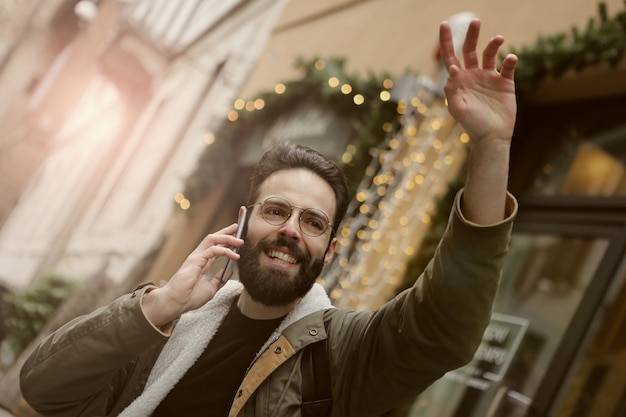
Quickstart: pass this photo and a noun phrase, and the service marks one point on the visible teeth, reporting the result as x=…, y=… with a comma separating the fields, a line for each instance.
x=282, y=256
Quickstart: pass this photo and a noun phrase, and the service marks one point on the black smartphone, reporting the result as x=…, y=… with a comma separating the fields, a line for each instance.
x=229, y=262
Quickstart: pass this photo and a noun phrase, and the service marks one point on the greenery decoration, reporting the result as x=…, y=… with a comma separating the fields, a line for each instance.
x=26, y=313
x=324, y=82
x=602, y=41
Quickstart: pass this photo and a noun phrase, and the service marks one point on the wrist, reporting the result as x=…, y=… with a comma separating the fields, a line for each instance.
x=156, y=310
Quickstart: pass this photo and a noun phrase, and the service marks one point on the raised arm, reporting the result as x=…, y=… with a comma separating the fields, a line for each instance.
x=482, y=100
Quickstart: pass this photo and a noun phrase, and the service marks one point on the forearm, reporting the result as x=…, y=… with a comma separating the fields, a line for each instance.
x=485, y=193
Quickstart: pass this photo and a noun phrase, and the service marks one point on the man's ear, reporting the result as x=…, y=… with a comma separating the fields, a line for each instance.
x=330, y=251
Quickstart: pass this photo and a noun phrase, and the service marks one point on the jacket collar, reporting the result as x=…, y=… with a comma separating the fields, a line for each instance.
x=194, y=331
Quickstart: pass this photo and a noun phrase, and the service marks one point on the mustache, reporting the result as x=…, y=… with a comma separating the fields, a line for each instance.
x=290, y=245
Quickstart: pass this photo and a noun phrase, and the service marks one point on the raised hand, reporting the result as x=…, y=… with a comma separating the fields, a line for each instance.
x=482, y=100
x=190, y=288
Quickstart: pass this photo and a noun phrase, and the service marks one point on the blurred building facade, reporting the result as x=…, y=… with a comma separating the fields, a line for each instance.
x=106, y=107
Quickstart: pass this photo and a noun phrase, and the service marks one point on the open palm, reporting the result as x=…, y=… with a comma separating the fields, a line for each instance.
x=482, y=100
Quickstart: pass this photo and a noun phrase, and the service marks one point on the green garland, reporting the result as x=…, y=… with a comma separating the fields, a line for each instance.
x=602, y=41
x=367, y=121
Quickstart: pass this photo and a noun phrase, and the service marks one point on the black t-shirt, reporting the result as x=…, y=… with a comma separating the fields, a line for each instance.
x=209, y=386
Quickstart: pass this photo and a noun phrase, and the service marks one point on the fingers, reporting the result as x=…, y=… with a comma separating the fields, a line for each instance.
x=508, y=67
x=470, y=57
x=446, y=46
x=490, y=53
x=221, y=237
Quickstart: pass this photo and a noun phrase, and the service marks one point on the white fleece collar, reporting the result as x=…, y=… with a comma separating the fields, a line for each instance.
x=194, y=331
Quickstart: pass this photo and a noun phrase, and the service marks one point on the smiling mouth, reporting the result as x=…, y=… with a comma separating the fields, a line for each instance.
x=282, y=257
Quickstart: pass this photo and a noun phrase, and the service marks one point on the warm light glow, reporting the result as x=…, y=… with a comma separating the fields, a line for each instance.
x=179, y=197
x=388, y=83
x=185, y=204
x=364, y=208
x=403, y=221
x=250, y=106
x=209, y=138
x=358, y=99
x=346, y=88
x=259, y=103
x=280, y=88
x=333, y=82
x=385, y=95
x=387, y=127
x=419, y=179
x=320, y=64
x=346, y=158
x=418, y=157
x=393, y=143
x=464, y=138
x=233, y=115
x=361, y=196
x=239, y=104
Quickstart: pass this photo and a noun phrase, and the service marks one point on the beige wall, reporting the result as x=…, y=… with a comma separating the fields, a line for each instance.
x=395, y=35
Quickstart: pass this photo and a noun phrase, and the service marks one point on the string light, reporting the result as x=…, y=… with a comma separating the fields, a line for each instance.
x=333, y=82
x=239, y=104
x=280, y=88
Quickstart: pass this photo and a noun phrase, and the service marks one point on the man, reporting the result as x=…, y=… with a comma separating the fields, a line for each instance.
x=197, y=346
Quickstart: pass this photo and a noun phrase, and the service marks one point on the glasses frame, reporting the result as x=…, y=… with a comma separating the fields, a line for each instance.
x=291, y=207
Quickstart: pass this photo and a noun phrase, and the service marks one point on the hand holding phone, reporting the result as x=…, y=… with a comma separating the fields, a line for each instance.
x=229, y=262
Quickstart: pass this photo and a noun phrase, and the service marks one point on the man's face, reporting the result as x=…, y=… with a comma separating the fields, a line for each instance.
x=280, y=263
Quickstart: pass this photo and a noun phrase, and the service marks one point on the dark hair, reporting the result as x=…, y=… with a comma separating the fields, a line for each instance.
x=287, y=155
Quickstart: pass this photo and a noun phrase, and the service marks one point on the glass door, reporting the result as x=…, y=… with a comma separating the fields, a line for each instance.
x=554, y=279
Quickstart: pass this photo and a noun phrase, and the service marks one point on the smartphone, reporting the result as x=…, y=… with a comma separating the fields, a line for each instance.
x=229, y=262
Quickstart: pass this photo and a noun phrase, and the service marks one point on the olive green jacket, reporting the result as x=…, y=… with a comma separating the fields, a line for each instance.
x=114, y=361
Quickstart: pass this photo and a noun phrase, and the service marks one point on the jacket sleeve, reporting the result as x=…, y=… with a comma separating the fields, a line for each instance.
x=77, y=370
x=381, y=358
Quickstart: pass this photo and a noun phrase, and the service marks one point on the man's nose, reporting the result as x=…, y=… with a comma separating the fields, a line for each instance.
x=291, y=228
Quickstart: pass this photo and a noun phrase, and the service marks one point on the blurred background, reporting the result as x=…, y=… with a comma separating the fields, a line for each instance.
x=128, y=129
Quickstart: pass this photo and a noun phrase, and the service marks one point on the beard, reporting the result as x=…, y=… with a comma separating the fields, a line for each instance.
x=273, y=287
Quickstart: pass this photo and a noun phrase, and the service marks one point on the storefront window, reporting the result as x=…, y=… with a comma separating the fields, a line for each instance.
x=579, y=166
x=597, y=382
x=537, y=300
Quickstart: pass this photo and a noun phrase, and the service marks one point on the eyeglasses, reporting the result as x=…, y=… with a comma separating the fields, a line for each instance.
x=276, y=211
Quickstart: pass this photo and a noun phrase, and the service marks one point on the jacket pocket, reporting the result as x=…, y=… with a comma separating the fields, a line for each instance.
x=319, y=408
